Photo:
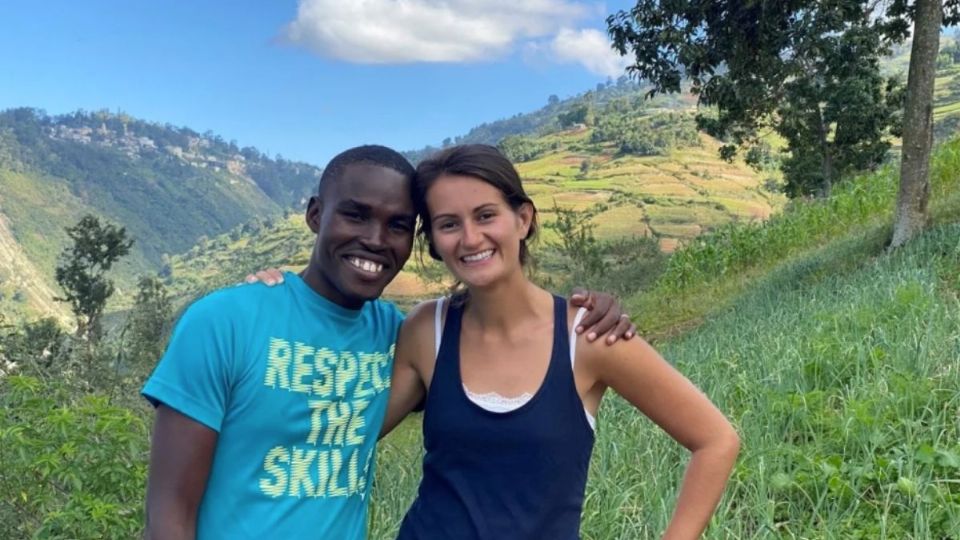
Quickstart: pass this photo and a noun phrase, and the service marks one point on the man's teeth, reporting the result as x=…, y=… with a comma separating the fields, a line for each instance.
x=479, y=256
x=365, y=265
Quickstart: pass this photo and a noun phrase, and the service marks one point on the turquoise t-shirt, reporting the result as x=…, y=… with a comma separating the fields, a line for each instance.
x=297, y=388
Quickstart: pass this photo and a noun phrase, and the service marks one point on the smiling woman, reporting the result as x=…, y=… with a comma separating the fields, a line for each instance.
x=519, y=471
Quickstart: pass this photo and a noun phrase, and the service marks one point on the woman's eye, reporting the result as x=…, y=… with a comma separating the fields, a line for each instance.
x=486, y=216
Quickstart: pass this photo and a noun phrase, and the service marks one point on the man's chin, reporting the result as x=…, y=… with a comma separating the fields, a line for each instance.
x=367, y=292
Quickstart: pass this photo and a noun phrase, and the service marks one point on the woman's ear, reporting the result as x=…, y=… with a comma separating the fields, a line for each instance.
x=526, y=213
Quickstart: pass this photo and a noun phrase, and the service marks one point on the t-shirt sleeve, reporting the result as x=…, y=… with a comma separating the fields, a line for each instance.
x=194, y=375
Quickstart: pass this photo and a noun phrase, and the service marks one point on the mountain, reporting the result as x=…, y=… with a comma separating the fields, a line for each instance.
x=168, y=186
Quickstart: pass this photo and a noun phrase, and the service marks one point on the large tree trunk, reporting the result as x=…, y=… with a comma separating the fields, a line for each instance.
x=918, y=123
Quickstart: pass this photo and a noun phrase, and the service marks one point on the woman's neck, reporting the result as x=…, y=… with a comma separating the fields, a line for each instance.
x=501, y=307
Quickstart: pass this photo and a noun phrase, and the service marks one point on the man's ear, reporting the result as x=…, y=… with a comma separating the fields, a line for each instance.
x=314, y=211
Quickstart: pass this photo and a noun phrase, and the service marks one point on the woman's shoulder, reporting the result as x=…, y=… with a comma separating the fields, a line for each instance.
x=422, y=317
x=573, y=314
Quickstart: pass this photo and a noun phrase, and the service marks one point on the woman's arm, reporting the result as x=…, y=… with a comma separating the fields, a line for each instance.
x=638, y=373
x=407, y=388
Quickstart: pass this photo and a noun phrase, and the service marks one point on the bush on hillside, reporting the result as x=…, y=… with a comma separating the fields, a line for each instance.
x=519, y=149
x=646, y=135
x=621, y=267
x=73, y=428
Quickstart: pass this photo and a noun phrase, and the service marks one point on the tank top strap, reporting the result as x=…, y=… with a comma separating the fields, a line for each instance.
x=561, y=336
x=446, y=367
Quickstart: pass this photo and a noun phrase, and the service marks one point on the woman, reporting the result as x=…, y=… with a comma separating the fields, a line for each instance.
x=510, y=392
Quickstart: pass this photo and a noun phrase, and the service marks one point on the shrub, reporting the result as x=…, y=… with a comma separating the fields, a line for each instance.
x=74, y=466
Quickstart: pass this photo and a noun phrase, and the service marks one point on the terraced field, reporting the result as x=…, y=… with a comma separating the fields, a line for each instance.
x=674, y=197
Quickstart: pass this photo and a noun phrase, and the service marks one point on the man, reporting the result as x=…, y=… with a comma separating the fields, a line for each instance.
x=269, y=399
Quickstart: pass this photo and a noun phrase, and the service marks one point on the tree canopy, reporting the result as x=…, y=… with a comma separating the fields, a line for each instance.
x=82, y=267
x=805, y=70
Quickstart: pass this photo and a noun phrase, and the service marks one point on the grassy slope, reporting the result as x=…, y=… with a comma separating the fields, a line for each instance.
x=839, y=376
x=837, y=362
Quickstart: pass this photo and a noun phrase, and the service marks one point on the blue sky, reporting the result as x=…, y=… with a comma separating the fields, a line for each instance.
x=305, y=78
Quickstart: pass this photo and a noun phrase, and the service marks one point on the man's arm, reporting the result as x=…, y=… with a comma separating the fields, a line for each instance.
x=605, y=316
x=181, y=451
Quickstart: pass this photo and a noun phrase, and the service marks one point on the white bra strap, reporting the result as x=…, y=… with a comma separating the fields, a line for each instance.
x=573, y=358
x=437, y=327
x=573, y=334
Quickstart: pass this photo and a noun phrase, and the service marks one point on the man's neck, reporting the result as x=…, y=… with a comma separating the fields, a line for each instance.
x=319, y=284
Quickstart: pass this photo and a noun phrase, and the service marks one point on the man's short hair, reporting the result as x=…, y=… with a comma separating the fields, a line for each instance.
x=372, y=154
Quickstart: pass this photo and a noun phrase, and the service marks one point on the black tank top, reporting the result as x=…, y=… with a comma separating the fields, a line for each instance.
x=501, y=476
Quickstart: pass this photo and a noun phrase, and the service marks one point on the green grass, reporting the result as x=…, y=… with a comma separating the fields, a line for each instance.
x=715, y=269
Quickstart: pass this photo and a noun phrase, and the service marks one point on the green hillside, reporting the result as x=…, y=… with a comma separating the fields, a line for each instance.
x=168, y=186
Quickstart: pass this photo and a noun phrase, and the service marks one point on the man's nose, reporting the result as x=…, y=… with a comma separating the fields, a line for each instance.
x=374, y=236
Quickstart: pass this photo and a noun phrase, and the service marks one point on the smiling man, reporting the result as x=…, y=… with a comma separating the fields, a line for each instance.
x=270, y=399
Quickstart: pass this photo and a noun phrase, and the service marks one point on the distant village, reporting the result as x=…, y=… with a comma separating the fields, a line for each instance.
x=135, y=146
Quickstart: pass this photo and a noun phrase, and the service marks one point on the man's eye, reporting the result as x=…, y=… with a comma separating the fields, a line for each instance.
x=352, y=216
x=401, y=226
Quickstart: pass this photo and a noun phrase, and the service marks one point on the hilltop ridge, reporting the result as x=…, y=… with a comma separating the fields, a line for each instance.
x=168, y=186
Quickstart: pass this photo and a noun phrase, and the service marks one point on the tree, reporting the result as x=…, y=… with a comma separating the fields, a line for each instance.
x=741, y=56
x=808, y=70
x=578, y=245
x=82, y=268
x=39, y=346
x=914, y=193
x=149, y=321
x=518, y=148
x=578, y=114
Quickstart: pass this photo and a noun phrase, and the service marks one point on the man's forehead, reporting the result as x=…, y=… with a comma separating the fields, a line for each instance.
x=376, y=187
x=365, y=176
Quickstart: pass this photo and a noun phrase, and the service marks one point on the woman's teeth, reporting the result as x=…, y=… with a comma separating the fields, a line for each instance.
x=478, y=256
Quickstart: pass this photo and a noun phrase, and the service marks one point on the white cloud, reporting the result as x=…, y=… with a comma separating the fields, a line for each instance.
x=590, y=48
x=403, y=31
